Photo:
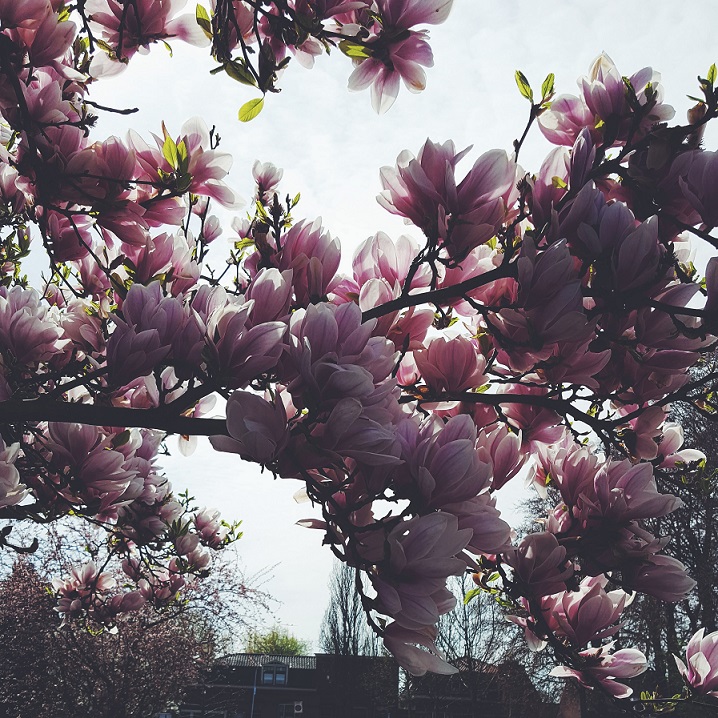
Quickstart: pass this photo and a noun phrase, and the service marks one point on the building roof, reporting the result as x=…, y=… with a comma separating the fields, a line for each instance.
x=254, y=660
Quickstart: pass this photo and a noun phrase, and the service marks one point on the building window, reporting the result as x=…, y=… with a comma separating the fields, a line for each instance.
x=274, y=675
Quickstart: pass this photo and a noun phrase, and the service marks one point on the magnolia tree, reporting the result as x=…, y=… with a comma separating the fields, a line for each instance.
x=543, y=326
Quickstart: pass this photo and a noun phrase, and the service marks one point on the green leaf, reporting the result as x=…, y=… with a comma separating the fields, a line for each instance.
x=351, y=49
x=547, y=87
x=203, y=20
x=245, y=243
x=182, y=157
x=238, y=71
x=523, y=85
x=471, y=594
x=169, y=152
x=295, y=201
x=558, y=182
x=249, y=110
x=712, y=72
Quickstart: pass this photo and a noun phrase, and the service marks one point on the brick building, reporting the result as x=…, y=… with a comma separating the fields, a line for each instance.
x=244, y=685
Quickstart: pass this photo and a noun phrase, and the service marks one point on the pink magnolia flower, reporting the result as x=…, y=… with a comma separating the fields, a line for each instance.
x=547, y=191
x=405, y=14
x=411, y=583
x=623, y=491
x=333, y=355
x=636, y=257
x=424, y=190
x=153, y=327
x=313, y=256
x=245, y=353
x=701, y=672
x=419, y=186
x=267, y=176
x=603, y=107
x=503, y=449
x=604, y=667
x=549, y=307
x=48, y=39
x=586, y=615
x=99, y=475
x=490, y=533
x=670, y=448
x=442, y=464
x=207, y=167
x=451, y=365
x=484, y=197
x=29, y=328
x=149, y=21
x=78, y=592
x=540, y=565
x=379, y=257
x=70, y=239
x=415, y=650
x=257, y=428
x=30, y=13
x=12, y=492
x=404, y=62
x=351, y=433
x=212, y=531
x=700, y=185
x=566, y=119
x=658, y=575
x=271, y=291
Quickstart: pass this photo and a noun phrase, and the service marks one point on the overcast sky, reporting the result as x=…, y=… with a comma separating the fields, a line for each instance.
x=331, y=146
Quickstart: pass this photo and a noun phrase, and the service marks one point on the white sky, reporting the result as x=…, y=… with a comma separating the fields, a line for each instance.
x=331, y=146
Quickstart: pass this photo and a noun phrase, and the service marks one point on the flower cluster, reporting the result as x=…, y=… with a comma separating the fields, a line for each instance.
x=540, y=326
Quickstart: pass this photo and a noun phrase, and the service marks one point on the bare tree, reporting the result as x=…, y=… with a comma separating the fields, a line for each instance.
x=344, y=630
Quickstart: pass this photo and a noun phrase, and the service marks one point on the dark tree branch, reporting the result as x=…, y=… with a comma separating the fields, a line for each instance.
x=15, y=411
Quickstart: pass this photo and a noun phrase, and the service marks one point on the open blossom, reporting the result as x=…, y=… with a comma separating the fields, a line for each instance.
x=411, y=584
x=257, y=428
x=239, y=351
x=540, y=564
x=99, y=473
x=29, y=328
x=602, y=106
x=415, y=650
x=399, y=52
x=604, y=667
x=463, y=215
x=442, y=463
x=586, y=615
x=11, y=490
x=380, y=257
x=332, y=355
x=351, y=433
x=623, y=491
x=658, y=575
x=312, y=255
x=405, y=61
x=267, y=176
x=451, y=365
x=79, y=591
x=700, y=671
x=150, y=21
